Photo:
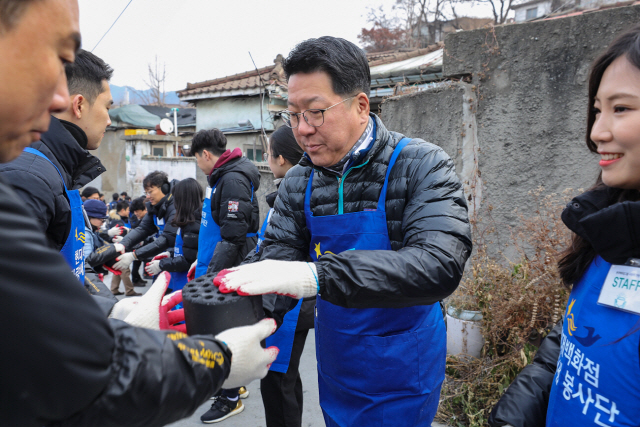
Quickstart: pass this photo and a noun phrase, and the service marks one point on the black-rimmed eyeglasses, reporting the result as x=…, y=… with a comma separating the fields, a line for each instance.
x=313, y=117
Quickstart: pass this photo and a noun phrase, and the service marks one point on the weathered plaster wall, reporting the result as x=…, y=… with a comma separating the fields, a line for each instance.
x=112, y=155
x=519, y=122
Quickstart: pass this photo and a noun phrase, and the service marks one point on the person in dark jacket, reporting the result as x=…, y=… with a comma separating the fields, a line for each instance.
x=115, y=197
x=64, y=362
x=587, y=370
x=160, y=218
x=90, y=193
x=138, y=210
x=230, y=220
x=187, y=198
x=384, y=220
x=49, y=173
x=281, y=389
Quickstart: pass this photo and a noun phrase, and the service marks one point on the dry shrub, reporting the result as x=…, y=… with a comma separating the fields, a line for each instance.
x=520, y=302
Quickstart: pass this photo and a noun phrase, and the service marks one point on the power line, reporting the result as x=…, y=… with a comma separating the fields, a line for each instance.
x=114, y=23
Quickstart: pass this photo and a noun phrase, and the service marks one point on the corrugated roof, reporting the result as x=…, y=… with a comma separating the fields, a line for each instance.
x=133, y=115
x=241, y=83
x=426, y=63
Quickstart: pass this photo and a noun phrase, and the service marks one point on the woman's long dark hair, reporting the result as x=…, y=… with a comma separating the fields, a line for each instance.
x=283, y=143
x=187, y=199
x=577, y=257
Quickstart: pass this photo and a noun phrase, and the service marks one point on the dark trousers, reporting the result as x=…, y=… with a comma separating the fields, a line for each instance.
x=135, y=271
x=282, y=393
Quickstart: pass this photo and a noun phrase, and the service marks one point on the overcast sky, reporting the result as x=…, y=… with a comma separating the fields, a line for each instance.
x=199, y=40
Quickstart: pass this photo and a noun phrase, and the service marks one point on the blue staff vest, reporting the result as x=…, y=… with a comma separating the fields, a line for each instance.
x=73, y=249
x=209, y=235
x=376, y=366
x=597, y=379
x=178, y=278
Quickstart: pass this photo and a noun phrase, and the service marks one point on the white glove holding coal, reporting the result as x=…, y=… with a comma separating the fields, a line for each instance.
x=249, y=361
x=153, y=310
x=294, y=279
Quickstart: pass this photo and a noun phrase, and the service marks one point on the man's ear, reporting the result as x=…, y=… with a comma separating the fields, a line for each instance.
x=78, y=106
x=281, y=160
x=363, y=106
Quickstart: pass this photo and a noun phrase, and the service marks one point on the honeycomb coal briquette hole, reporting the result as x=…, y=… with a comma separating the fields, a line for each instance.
x=208, y=297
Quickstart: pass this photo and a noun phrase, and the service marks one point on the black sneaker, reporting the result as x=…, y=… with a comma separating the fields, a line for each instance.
x=221, y=409
x=140, y=283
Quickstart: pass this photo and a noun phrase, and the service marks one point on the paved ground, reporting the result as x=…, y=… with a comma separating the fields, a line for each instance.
x=253, y=414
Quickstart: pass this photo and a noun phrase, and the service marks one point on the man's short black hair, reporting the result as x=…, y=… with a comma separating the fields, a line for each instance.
x=89, y=191
x=124, y=193
x=138, y=204
x=86, y=74
x=345, y=63
x=155, y=179
x=115, y=196
x=212, y=140
x=121, y=205
x=11, y=11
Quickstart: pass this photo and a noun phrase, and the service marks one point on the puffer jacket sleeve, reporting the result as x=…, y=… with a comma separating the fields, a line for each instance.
x=51, y=210
x=145, y=228
x=437, y=242
x=113, y=374
x=525, y=402
x=235, y=212
x=165, y=242
x=190, y=235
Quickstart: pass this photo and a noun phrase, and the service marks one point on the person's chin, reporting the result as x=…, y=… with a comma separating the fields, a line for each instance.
x=11, y=150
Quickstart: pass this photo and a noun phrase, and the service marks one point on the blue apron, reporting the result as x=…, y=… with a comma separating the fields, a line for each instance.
x=376, y=366
x=283, y=337
x=73, y=249
x=597, y=379
x=178, y=278
x=209, y=235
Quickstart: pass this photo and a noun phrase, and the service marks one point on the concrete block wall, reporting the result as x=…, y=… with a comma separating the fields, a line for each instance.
x=515, y=118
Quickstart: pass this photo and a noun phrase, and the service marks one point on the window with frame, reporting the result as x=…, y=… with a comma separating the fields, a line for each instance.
x=157, y=150
x=532, y=13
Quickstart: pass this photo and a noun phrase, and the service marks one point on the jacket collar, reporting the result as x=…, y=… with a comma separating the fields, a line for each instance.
x=612, y=228
x=65, y=141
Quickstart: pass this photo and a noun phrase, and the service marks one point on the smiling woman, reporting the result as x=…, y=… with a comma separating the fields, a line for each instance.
x=573, y=366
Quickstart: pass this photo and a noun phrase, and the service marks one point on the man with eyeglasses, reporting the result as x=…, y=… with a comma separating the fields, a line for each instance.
x=384, y=222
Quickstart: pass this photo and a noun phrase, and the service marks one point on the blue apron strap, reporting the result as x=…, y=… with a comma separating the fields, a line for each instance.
x=396, y=152
x=39, y=154
x=307, y=196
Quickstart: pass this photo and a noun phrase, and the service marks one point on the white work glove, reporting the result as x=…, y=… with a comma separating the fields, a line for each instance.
x=249, y=361
x=124, y=260
x=116, y=231
x=117, y=239
x=192, y=271
x=153, y=309
x=153, y=268
x=294, y=279
x=119, y=247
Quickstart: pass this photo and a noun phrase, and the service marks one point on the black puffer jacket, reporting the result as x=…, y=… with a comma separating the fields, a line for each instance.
x=233, y=211
x=164, y=210
x=190, y=234
x=63, y=363
x=426, y=218
x=613, y=232
x=38, y=184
